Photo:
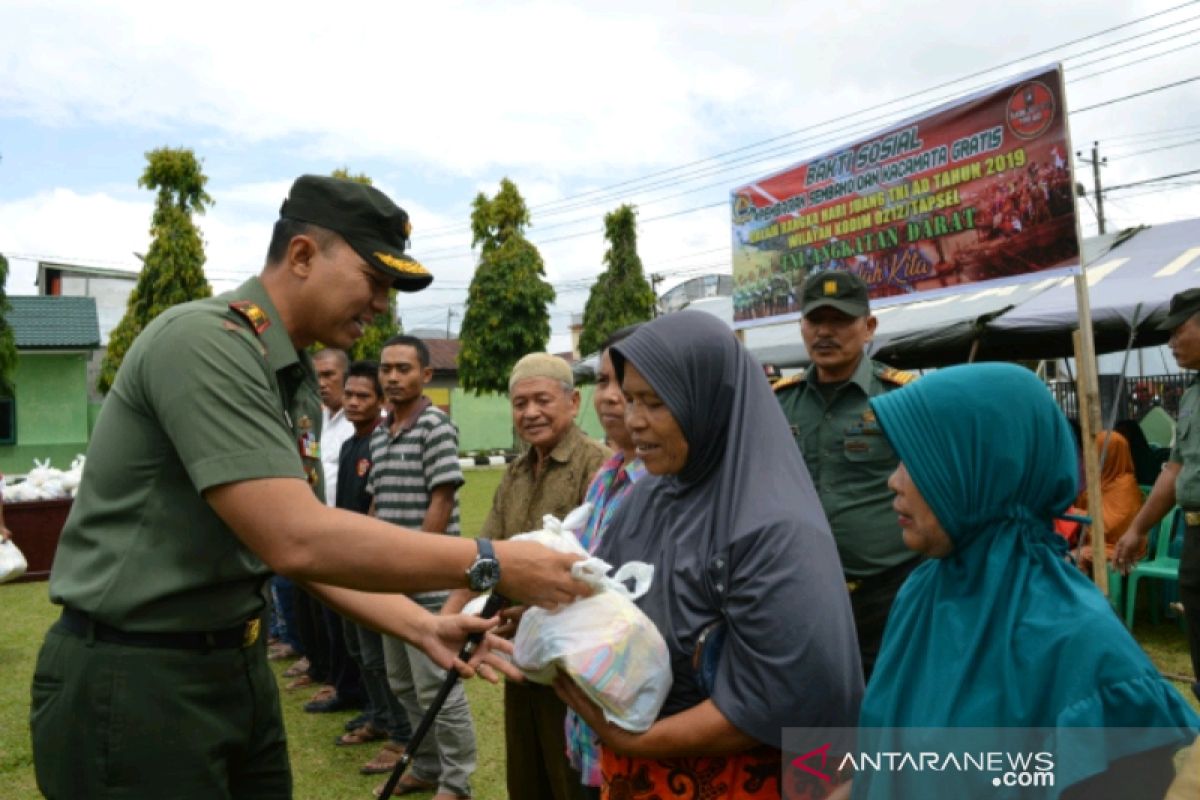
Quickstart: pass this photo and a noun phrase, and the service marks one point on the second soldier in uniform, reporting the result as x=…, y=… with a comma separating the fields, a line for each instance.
x=844, y=448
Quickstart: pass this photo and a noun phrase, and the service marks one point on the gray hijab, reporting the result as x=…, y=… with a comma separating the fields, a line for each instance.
x=737, y=535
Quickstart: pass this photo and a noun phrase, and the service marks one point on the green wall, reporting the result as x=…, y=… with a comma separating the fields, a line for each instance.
x=52, y=411
x=485, y=421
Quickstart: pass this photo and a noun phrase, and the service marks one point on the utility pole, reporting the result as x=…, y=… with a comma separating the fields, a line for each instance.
x=655, y=279
x=1098, y=193
x=449, y=314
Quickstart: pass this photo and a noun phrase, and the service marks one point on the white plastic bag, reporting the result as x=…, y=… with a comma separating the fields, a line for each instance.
x=608, y=646
x=12, y=562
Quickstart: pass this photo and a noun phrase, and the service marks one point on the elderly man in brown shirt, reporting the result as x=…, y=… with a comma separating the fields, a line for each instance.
x=551, y=477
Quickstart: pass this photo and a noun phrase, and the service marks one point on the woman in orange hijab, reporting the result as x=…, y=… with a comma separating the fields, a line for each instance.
x=1121, y=498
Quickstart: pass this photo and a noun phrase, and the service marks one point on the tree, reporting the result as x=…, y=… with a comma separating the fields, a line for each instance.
x=621, y=295
x=173, y=267
x=506, y=314
x=383, y=326
x=8, y=346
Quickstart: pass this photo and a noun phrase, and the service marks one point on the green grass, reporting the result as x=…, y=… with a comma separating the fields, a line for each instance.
x=322, y=770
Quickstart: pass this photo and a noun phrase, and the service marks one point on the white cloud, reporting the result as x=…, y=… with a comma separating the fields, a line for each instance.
x=565, y=98
x=62, y=225
x=463, y=85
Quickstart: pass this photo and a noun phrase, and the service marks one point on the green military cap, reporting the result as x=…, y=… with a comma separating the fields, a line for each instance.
x=844, y=291
x=1183, y=305
x=374, y=227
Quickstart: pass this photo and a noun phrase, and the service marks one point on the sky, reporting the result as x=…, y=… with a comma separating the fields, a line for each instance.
x=585, y=105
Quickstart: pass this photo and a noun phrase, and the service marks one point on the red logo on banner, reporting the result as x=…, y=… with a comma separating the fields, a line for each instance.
x=1030, y=110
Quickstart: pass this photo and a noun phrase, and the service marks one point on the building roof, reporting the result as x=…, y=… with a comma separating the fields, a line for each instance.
x=54, y=323
x=443, y=354
x=129, y=273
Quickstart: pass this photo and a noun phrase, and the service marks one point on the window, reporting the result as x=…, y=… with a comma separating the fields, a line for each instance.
x=8, y=420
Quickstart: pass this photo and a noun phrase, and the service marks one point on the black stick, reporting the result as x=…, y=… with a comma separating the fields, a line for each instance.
x=494, y=603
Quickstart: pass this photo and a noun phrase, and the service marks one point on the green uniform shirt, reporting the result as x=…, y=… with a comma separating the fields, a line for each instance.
x=521, y=500
x=850, y=461
x=201, y=400
x=1187, y=449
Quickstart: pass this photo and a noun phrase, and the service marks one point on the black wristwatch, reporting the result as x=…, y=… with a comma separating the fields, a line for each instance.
x=485, y=571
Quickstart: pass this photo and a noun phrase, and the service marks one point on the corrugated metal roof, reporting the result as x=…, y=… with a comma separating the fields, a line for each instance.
x=443, y=354
x=46, y=323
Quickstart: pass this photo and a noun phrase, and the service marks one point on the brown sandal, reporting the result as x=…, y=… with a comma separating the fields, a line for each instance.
x=297, y=669
x=407, y=785
x=361, y=735
x=384, y=760
x=324, y=693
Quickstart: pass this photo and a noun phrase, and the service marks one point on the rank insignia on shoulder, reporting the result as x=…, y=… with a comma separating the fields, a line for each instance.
x=253, y=314
x=893, y=375
x=790, y=380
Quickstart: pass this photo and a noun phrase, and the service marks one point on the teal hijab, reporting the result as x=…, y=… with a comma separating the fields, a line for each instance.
x=1004, y=632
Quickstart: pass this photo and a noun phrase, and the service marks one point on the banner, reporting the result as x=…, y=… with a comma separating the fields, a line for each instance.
x=977, y=190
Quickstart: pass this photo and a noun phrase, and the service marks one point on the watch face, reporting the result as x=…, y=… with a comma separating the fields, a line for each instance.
x=485, y=573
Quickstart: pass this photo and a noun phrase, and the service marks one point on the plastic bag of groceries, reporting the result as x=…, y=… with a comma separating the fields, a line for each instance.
x=608, y=646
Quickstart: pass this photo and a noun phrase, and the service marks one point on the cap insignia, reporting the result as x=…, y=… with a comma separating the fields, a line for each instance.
x=401, y=264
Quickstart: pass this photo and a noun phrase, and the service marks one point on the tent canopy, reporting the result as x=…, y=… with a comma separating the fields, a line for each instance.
x=1131, y=274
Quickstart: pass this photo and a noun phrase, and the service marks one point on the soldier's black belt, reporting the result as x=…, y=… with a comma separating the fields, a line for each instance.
x=83, y=626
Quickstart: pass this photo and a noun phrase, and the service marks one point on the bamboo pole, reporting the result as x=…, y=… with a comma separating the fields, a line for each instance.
x=1088, y=396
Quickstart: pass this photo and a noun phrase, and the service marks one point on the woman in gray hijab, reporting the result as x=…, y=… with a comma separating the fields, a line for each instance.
x=729, y=518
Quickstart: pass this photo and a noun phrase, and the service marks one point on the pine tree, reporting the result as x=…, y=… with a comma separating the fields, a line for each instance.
x=383, y=326
x=8, y=346
x=173, y=268
x=621, y=295
x=506, y=314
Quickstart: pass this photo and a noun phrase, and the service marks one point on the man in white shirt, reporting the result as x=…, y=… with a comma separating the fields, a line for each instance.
x=321, y=631
x=331, y=366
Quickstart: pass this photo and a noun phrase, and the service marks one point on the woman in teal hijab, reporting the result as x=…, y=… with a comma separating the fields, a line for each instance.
x=997, y=629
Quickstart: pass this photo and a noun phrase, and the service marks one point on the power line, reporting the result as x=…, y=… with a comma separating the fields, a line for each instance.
x=990, y=71
x=453, y=252
x=1115, y=100
x=1152, y=180
x=1158, y=149
x=716, y=167
x=1160, y=133
x=1135, y=49
x=1173, y=186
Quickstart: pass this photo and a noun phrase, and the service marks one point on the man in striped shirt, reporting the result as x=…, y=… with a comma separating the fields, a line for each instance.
x=414, y=482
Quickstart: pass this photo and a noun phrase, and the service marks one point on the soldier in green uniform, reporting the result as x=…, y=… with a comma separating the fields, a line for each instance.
x=200, y=482
x=847, y=454
x=1179, y=481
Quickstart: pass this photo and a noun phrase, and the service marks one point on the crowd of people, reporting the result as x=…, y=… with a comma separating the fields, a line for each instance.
x=1036, y=194
x=850, y=547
